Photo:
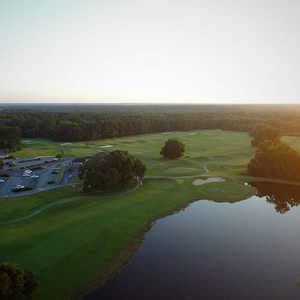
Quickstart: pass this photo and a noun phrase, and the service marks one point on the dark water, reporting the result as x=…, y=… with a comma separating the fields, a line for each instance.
x=246, y=250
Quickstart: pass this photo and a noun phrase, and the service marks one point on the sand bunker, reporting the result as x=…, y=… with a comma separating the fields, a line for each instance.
x=28, y=141
x=208, y=180
x=106, y=146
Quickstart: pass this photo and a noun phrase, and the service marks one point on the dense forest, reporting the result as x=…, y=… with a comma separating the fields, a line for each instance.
x=78, y=122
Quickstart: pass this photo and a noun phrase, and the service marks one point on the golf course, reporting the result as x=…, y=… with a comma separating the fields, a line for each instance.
x=74, y=241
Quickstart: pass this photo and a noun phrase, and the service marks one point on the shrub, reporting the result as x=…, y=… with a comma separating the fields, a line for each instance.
x=16, y=283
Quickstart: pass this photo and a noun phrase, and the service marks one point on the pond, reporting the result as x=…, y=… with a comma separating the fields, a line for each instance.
x=245, y=250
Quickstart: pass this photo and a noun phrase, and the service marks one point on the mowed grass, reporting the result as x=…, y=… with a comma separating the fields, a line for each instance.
x=74, y=245
x=219, y=151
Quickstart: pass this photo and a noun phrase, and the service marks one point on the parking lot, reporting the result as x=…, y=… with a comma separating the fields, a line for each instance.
x=32, y=175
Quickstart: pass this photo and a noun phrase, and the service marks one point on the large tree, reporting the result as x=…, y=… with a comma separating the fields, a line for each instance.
x=172, y=149
x=16, y=283
x=276, y=160
x=264, y=134
x=111, y=171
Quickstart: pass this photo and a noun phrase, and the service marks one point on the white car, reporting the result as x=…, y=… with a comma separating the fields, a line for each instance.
x=35, y=176
x=2, y=180
x=26, y=174
x=21, y=188
x=18, y=188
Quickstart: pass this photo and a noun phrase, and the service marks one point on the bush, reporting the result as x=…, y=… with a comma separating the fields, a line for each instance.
x=172, y=149
x=16, y=283
x=58, y=155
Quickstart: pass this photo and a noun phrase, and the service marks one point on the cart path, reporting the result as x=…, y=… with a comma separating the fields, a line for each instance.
x=57, y=203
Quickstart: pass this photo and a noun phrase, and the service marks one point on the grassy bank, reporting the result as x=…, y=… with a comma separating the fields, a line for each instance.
x=79, y=243
x=81, y=240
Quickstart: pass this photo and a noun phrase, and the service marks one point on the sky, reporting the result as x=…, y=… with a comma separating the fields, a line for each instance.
x=198, y=51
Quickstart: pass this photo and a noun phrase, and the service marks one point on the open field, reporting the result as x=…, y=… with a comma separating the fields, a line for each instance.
x=76, y=244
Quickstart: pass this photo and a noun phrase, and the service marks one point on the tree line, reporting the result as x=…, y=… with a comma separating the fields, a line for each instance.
x=87, y=125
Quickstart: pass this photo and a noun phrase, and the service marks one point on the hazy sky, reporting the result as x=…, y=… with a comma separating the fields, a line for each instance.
x=150, y=50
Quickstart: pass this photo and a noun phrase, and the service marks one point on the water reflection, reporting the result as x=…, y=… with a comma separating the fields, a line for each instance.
x=283, y=196
x=243, y=250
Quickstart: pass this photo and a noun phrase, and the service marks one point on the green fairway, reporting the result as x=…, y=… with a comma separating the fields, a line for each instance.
x=76, y=243
x=221, y=151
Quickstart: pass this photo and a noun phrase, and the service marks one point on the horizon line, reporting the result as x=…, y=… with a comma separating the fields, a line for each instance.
x=149, y=103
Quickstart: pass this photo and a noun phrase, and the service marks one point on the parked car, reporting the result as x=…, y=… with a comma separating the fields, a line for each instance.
x=2, y=180
x=27, y=173
x=18, y=188
x=21, y=188
x=35, y=176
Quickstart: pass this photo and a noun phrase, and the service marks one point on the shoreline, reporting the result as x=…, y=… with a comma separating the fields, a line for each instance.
x=126, y=254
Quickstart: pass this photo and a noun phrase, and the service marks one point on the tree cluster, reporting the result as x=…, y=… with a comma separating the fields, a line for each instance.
x=111, y=171
x=172, y=149
x=72, y=123
x=16, y=283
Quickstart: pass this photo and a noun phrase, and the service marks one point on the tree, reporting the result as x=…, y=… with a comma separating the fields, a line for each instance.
x=16, y=283
x=275, y=161
x=172, y=149
x=111, y=171
x=263, y=135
